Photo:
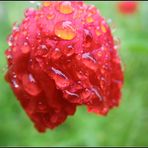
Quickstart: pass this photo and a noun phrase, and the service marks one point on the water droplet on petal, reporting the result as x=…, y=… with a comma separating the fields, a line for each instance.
x=60, y=78
x=88, y=56
x=69, y=50
x=65, y=30
x=65, y=7
x=89, y=61
x=96, y=92
x=86, y=94
x=102, y=83
x=30, y=85
x=72, y=94
x=98, y=32
x=103, y=28
x=89, y=19
x=87, y=38
x=15, y=84
x=9, y=43
x=56, y=54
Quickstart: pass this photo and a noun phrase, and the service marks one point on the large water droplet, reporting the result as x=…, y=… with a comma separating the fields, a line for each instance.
x=15, y=84
x=89, y=61
x=89, y=19
x=86, y=94
x=96, y=92
x=87, y=38
x=65, y=30
x=30, y=85
x=42, y=50
x=72, y=94
x=98, y=32
x=60, y=78
x=103, y=28
x=88, y=56
x=65, y=7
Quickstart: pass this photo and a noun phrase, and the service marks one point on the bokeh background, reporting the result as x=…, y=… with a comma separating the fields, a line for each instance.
x=126, y=125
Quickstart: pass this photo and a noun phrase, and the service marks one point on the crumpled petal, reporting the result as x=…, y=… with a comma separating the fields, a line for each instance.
x=60, y=57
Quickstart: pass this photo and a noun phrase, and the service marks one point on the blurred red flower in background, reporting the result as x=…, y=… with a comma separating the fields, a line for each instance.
x=62, y=56
x=127, y=7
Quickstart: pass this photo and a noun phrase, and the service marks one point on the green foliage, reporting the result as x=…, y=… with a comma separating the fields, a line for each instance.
x=125, y=125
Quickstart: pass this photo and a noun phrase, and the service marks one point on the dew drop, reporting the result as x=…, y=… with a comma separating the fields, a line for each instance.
x=87, y=38
x=30, y=85
x=80, y=75
x=88, y=56
x=9, y=43
x=103, y=28
x=9, y=57
x=89, y=61
x=86, y=94
x=56, y=54
x=69, y=50
x=94, y=90
x=15, y=84
x=43, y=47
x=72, y=94
x=102, y=83
x=65, y=30
x=65, y=7
x=60, y=78
x=98, y=32
x=89, y=19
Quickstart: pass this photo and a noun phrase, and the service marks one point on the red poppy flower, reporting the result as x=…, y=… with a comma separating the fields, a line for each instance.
x=60, y=57
x=127, y=7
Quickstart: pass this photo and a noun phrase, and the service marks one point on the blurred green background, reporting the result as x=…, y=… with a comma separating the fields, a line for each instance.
x=125, y=125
